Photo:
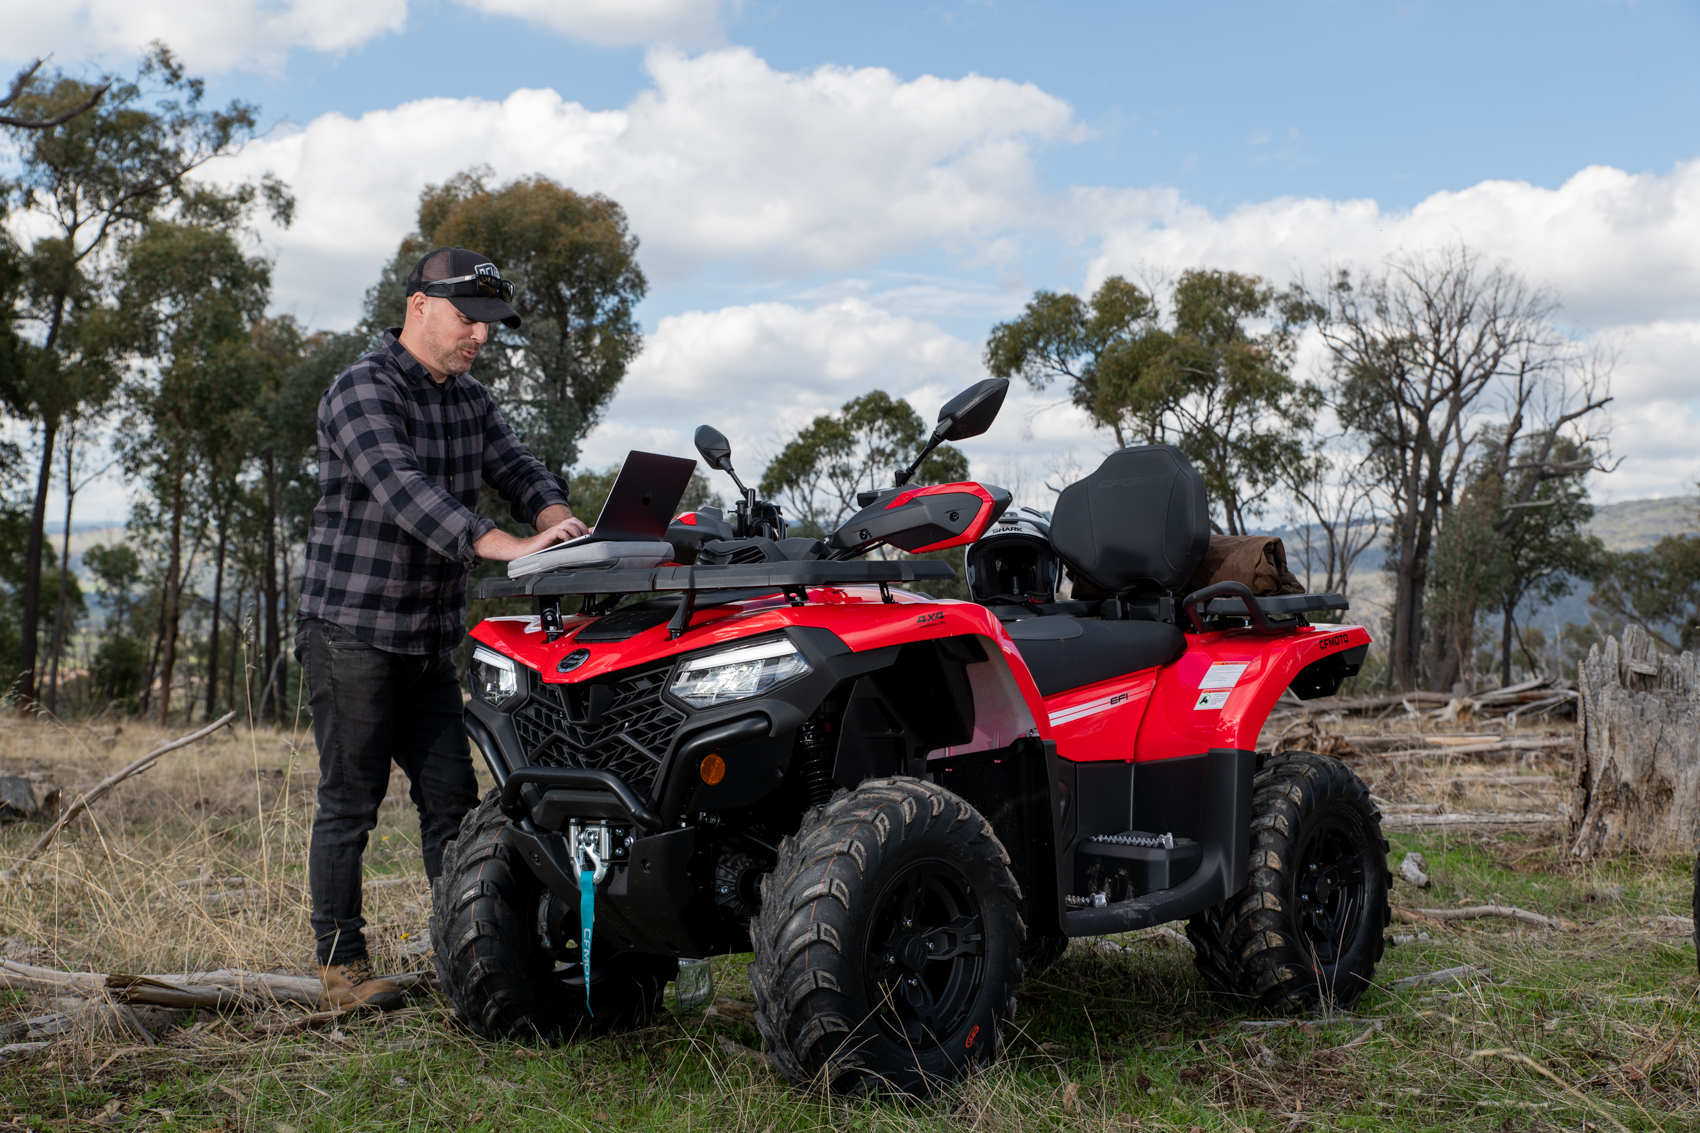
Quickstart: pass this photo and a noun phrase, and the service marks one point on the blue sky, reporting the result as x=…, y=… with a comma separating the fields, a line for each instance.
x=834, y=197
x=1228, y=102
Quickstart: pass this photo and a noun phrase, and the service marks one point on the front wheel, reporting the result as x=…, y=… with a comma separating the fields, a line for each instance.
x=1308, y=925
x=887, y=946
x=497, y=955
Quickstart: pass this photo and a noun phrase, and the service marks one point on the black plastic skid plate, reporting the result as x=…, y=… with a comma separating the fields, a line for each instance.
x=750, y=575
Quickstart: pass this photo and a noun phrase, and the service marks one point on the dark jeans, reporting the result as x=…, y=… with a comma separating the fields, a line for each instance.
x=371, y=707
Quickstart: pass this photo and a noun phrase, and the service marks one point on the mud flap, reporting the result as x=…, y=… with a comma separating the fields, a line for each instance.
x=1225, y=835
x=1015, y=787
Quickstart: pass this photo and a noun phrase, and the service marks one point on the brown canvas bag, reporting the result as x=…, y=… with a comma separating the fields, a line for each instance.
x=1259, y=561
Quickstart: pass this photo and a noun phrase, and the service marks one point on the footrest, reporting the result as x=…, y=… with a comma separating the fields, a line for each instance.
x=1133, y=863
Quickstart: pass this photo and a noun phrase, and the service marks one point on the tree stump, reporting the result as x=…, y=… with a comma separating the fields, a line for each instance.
x=1637, y=777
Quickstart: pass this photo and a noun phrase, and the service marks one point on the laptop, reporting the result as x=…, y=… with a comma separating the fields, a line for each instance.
x=641, y=504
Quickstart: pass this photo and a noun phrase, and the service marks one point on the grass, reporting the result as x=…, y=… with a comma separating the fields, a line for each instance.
x=1592, y=1027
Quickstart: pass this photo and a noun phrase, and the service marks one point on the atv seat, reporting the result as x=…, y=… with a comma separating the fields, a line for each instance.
x=1064, y=653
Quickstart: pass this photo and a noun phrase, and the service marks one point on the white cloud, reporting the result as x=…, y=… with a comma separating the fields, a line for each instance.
x=221, y=35
x=209, y=35
x=760, y=372
x=1619, y=248
x=617, y=22
x=722, y=159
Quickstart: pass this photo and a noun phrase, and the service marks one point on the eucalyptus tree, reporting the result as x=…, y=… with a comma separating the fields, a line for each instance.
x=96, y=163
x=573, y=259
x=1214, y=378
x=863, y=445
x=189, y=293
x=1429, y=357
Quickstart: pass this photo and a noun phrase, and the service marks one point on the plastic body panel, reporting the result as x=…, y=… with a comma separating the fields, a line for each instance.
x=924, y=519
x=1180, y=721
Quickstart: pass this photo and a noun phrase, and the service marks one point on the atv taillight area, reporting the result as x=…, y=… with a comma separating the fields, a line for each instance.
x=621, y=725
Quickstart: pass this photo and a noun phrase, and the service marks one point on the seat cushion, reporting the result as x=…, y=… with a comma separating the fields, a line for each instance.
x=1064, y=653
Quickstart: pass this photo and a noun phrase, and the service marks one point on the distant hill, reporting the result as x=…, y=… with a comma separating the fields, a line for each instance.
x=1628, y=525
x=1633, y=525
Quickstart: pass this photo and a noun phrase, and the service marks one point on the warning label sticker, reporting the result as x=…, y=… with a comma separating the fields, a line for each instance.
x=1222, y=676
x=1211, y=700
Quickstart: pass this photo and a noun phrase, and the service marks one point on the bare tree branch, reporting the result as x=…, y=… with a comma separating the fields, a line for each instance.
x=22, y=81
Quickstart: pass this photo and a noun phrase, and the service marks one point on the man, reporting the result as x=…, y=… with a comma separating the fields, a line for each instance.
x=405, y=434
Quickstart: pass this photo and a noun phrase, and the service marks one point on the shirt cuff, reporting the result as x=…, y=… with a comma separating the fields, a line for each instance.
x=476, y=530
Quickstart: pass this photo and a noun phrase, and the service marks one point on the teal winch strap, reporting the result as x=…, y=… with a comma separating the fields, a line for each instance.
x=587, y=924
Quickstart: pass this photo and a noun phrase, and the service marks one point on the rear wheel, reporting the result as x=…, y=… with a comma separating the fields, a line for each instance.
x=491, y=924
x=1308, y=925
x=886, y=949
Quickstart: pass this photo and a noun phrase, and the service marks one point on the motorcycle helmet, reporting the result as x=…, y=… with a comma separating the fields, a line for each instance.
x=1013, y=562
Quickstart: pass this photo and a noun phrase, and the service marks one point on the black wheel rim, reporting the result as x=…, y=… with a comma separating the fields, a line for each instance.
x=1332, y=888
x=926, y=953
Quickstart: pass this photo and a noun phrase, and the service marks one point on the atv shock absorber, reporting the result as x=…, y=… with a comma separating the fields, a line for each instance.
x=814, y=757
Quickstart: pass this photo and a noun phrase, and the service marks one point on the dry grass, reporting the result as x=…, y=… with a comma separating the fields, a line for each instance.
x=200, y=863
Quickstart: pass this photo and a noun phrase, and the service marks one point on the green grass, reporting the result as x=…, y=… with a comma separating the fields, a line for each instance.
x=1596, y=1025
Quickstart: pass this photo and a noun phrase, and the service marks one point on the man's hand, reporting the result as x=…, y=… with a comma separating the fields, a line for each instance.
x=498, y=546
x=559, y=513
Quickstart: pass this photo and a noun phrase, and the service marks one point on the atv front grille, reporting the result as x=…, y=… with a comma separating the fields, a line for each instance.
x=624, y=727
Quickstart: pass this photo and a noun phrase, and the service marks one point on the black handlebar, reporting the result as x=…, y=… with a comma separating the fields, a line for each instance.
x=1224, y=589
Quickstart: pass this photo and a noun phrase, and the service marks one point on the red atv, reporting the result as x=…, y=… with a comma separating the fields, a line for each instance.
x=897, y=802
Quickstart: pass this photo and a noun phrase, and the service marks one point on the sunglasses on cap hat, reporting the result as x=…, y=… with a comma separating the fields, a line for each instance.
x=484, y=276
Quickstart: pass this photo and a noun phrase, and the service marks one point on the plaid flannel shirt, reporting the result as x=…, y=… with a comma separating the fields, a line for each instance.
x=400, y=457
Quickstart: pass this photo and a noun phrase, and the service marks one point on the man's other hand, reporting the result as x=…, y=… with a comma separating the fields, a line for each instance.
x=498, y=546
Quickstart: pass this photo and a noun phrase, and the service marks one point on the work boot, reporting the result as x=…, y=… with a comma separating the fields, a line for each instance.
x=355, y=985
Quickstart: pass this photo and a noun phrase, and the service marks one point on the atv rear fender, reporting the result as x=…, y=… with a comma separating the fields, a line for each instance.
x=1220, y=692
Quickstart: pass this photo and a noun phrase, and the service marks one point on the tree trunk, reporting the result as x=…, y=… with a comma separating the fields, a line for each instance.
x=1637, y=781
x=1505, y=627
x=235, y=648
x=153, y=655
x=212, y=636
x=272, y=643
x=30, y=603
x=58, y=646
x=172, y=598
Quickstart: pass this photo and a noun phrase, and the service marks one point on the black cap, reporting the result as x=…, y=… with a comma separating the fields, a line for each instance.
x=468, y=296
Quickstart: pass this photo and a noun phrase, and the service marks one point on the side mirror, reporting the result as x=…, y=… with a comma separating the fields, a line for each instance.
x=716, y=450
x=969, y=413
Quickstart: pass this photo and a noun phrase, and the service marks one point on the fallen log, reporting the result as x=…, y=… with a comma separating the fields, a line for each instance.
x=225, y=989
x=85, y=800
x=1429, y=821
x=1461, y=976
x=1510, y=912
x=1413, y=916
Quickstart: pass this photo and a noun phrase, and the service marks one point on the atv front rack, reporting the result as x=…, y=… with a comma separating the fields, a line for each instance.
x=744, y=576
x=793, y=577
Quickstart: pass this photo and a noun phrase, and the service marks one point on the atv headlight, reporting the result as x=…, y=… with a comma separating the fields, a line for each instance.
x=733, y=674
x=492, y=676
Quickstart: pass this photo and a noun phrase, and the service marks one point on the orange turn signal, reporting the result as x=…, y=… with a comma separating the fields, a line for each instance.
x=713, y=768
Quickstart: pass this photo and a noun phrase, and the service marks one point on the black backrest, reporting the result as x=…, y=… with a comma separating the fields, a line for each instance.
x=1140, y=520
